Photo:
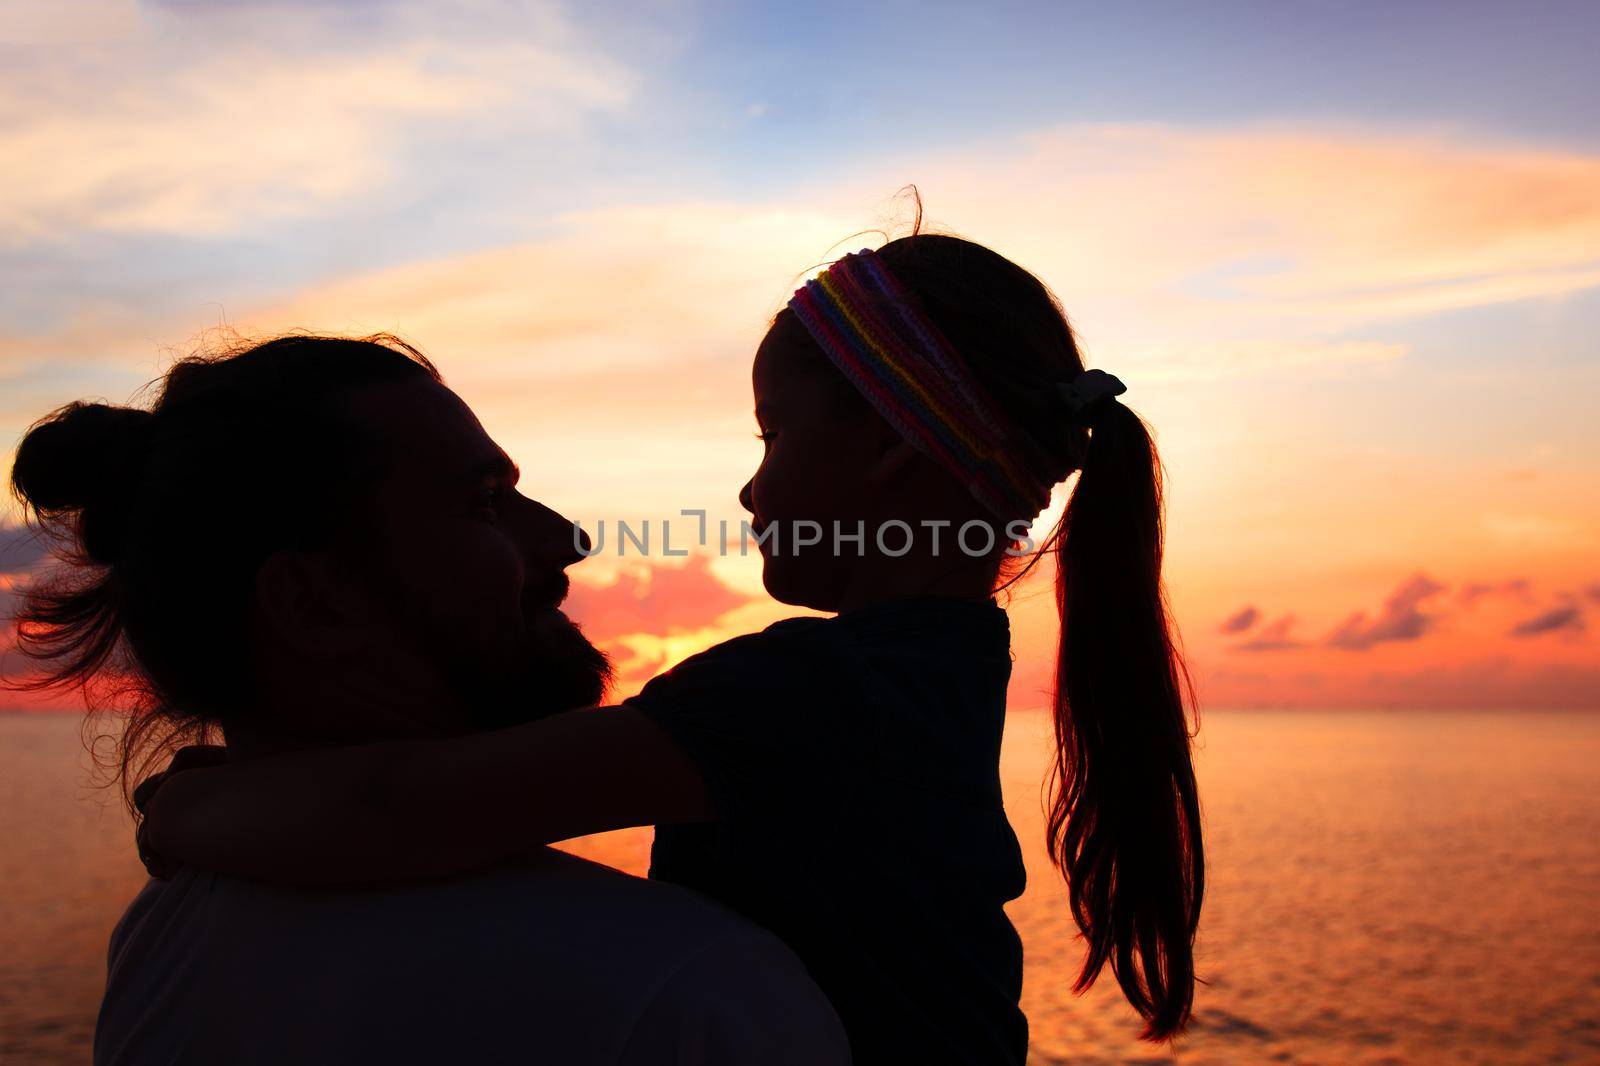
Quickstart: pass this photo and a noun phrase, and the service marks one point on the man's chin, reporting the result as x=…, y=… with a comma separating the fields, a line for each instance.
x=551, y=625
x=559, y=670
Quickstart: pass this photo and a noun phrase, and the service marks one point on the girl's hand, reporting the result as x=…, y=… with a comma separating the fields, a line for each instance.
x=192, y=757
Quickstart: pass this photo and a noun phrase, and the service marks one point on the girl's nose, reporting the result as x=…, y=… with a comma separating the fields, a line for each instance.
x=747, y=498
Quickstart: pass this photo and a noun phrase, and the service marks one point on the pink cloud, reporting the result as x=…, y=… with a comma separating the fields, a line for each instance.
x=22, y=549
x=1558, y=619
x=1275, y=636
x=632, y=666
x=1240, y=620
x=1402, y=617
x=659, y=600
x=1497, y=682
x=1519, y=588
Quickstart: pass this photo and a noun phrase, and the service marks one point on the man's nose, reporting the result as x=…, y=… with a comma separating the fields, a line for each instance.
x=554, y=540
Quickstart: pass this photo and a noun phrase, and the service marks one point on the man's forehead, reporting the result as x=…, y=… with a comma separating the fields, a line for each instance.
x=428, y=428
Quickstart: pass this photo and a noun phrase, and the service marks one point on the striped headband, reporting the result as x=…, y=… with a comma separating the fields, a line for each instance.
x=875, y=334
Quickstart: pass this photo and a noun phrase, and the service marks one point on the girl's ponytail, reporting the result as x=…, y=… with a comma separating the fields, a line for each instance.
x=1124, y=817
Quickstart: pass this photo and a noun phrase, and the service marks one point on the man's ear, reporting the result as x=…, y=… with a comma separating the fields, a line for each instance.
x=308, y=603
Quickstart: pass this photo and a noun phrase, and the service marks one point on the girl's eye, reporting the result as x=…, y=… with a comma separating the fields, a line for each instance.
x=765, y=438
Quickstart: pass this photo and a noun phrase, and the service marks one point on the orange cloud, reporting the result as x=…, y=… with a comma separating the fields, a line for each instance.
x=1316, y=227
x=1404, y=617
x=1490, y=682
x=1475, y=644
x=1567, y=619
x=1240, y=621
x=1473, y=591
x=655, y=599
x=1302, y=234
x=1274, y=636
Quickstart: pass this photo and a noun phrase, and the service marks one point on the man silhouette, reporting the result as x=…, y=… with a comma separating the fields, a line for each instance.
x=312, y=543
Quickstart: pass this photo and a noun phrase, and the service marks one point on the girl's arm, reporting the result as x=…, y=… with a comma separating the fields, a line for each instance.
x=411, y=809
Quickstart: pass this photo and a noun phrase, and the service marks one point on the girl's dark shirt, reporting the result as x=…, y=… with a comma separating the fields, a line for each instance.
x=854, y=764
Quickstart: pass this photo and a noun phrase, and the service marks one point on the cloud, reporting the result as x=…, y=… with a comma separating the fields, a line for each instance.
x=625, y=288
x=1250, y=239
x=1558, y=619
x=1147, y=232
x=633, y=665
x=657, y=599
x=8, y=628
x=1262, y=266
x=23, y=552
x=203, y=120
x=1497, y=682
x=1539, y=531
x=22, y=549
x=1519, y=588
x=623, y=337
x=1205, y=360
x=1274, y=636
x=1401, y=619
x=1227, y=238
x=1240, y=620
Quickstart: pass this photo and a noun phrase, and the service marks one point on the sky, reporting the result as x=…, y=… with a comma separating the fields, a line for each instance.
x=1345, y=256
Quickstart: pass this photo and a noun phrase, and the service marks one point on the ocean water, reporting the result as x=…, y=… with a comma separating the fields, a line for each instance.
x=1385, y=888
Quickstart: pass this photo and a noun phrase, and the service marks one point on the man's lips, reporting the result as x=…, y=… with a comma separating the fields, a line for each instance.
x=546, y=595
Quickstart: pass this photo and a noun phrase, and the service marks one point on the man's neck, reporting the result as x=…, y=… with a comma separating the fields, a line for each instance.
x=342, y=708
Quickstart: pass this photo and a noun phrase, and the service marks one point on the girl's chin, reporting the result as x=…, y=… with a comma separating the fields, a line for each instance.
x=788, y=587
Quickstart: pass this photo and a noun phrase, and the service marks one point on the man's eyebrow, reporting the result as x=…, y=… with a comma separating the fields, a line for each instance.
x=496, y=466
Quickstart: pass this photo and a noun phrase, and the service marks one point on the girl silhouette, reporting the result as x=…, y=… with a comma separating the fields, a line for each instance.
x=837, y=778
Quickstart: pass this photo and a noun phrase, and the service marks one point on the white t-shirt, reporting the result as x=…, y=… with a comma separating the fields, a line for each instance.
x=550, y=960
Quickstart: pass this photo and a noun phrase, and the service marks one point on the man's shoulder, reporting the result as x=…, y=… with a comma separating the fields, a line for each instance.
x=546, y=899
x=552, y=944
x=538, y=911
x=548, y=881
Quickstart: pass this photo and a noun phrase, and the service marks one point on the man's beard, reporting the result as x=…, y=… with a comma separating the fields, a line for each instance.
x=556, y=669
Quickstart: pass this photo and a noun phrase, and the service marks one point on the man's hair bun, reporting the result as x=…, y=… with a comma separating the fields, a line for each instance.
x=79, y=460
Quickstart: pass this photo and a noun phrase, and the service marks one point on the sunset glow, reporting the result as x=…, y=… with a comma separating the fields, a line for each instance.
x=1362, y=320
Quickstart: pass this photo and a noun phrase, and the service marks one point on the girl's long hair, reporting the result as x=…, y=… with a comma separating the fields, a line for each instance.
x=1124, y=816
x=1123, y=822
